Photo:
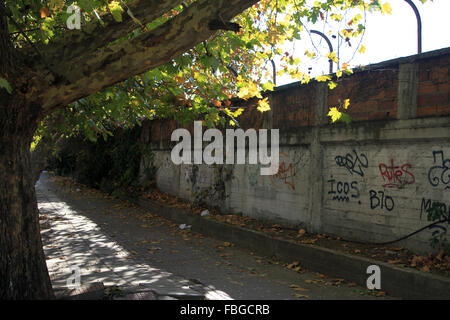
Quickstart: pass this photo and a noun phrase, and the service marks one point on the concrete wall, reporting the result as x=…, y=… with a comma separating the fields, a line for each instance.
x=371, y=180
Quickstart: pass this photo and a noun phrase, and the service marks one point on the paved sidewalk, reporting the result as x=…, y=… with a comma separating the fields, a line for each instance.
x=72, y=240
x=120, y=244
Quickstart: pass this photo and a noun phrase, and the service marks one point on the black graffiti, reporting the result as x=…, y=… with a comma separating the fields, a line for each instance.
x=427, y=204
x=382, y=201
x=441, y=230
x=192, y=174
x=440, y=173
x=344, y=190
x=353, y=163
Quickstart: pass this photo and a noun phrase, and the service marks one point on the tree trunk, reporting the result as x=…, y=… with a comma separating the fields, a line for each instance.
x=23, y=270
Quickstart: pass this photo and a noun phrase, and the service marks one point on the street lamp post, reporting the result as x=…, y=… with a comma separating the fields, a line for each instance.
x=419, y=26
x=330, y=46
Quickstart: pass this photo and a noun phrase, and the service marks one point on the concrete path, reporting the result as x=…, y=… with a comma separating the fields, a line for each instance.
x=120, y=244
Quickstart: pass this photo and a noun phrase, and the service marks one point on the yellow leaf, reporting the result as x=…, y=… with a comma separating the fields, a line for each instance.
x=305, y=79
x=362, y=49
x=243, y=92
x=339, y=73
x=268, y=86
x=310, y=54
x=249, y=91
x=234, y=114
x=322, y=78
x=346, y=103
x=263, y=105
x=386, y=8
x=348, y=71
x=332, y=85
x=332, y=56
x=335, y=114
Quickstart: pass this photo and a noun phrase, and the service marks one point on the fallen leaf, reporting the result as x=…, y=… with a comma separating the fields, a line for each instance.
x=425, y=269
x=440, y=255
x=309, y=241
x=292, y=265
x=301, y=232
x=297, y=288
x=394, y=261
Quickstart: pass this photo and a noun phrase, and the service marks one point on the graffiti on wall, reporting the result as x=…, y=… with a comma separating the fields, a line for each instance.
x=354, y=163
x=440, y=228
x=381, y=200
x=439, y=174
x=190, y=174
x=286, y=172
x=343, y=191
x=396, y=176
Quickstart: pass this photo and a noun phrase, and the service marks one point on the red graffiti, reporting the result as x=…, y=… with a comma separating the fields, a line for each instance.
x=285, y=173
x=396, y=176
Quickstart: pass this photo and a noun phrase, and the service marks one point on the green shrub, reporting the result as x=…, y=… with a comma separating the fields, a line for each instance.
x=111, y=165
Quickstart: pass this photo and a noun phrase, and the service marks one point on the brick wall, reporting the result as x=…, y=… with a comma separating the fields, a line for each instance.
x=434, y=87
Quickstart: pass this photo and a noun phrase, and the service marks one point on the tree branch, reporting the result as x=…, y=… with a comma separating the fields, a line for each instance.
x=119, y=61
x=94, y=35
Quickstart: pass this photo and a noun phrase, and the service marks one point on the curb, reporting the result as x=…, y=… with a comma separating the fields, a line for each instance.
x=397, y=282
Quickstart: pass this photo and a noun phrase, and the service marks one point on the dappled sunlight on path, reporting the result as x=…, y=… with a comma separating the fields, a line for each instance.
x=72, y=240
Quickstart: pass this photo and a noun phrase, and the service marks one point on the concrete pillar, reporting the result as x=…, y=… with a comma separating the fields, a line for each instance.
x=408, y=83
x=316, y=165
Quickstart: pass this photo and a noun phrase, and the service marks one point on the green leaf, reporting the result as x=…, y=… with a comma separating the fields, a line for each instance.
x=5, y=84
x=345, y=118
x=116, y=10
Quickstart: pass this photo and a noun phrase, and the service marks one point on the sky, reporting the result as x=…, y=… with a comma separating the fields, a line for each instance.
x=389, y=36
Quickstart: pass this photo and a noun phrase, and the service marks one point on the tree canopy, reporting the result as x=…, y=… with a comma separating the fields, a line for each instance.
x=235, y=61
